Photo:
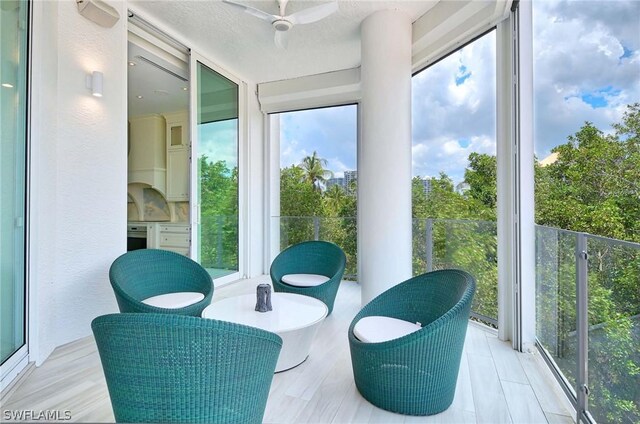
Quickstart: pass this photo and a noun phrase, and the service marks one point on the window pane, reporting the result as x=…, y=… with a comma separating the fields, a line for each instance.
x=13, y=96
x=454, y=169
x=587, y=89
x=318, y=178
x=217, y=125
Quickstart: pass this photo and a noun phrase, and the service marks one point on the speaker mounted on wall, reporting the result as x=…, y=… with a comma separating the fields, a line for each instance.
x=98, y=12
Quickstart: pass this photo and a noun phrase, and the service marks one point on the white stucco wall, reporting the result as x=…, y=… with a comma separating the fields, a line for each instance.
x=79, y=172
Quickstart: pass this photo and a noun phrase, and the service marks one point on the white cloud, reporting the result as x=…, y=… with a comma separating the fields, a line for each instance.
x=578, y=53
x=453, y=117
x=291, y=153
x=587, y=68
x=448, y=155
x=332, y=132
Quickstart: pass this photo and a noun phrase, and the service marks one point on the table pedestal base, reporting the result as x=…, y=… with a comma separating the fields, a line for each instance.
x=296, y=346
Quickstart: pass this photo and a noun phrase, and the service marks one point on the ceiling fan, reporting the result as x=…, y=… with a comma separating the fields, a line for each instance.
x=282, y=23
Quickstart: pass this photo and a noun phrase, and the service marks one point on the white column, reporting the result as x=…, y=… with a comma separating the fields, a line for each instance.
x=384, y=154
x=506, y=180
x=526, y=295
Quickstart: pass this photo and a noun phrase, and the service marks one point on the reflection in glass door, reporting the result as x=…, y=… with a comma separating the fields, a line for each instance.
x=216, y=192
x=13, y=109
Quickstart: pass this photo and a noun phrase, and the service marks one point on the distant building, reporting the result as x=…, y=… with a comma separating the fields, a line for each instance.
x=549, y=159
x=349, y=177
x=426, y=184
x=335, y=181
x=344, y=182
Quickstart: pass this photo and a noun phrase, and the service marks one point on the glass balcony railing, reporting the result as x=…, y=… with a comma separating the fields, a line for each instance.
x=341, y=231
x=588, y=320
x=219, y=244
x=464, y=244
x=437, y=244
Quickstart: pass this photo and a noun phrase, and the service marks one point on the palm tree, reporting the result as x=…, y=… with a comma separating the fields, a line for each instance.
x=314, y=170
x=334, y=198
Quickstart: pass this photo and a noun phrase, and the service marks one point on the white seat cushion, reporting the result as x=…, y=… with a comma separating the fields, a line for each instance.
x=304, y=280
x=376, y=329
x=174, y=300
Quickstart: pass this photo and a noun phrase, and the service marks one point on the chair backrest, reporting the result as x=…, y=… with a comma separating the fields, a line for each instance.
x=427, y=297
x=143, y=273
x=310, y=257
x=172, y=368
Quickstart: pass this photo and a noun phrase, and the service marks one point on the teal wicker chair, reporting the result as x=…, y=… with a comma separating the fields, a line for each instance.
x=140, y=274
x=310, y=257
x=163, y=368
x=416, y=374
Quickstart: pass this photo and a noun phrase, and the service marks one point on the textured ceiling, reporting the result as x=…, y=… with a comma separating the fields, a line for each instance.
x=244, y=43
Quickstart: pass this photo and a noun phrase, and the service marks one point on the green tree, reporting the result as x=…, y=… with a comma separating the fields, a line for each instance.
x=349, y=229
x=298, y=197
x=463, y=235
x=219, y=214
x=314, y=171
x=299, y=201
x=594, y=185
x=444, y=202
x=333, y=201
x=482, y=180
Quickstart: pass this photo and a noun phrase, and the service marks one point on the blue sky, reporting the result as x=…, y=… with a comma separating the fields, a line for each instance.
x=586, y=68
x=332, y=132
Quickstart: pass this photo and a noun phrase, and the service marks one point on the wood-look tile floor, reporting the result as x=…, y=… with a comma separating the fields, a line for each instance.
x=495, y=385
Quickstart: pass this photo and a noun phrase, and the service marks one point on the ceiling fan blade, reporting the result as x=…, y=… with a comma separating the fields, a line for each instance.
x=281, y=39
x=253, y=11
x=313, y=14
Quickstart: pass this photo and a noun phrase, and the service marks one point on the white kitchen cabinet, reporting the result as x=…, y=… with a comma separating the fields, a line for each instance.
x=177, y=130
x=173, y=237
x=148, y=151
x=178, y=175
x=176, y=238
x=178, y=153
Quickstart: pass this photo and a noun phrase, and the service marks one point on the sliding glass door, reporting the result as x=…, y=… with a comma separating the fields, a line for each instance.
x=215, y=162
x=13, y=112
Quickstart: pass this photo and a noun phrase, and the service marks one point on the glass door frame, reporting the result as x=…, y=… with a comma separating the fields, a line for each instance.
x=19, y=359
x=242, y=165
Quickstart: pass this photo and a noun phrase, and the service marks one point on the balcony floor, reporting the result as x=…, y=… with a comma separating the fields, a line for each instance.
x=495, y=385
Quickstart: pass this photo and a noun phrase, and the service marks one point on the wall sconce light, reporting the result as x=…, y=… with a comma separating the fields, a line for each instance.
x=94, y=83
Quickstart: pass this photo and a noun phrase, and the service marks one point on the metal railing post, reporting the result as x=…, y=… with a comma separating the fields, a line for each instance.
x=429, y=246
x=582, y=304
x=316, y=228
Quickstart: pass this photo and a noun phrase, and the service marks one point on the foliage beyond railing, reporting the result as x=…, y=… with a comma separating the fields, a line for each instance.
x=219, y=242
x=341, y=231
x=465, y=244
x=437, y=244
x=612, y=285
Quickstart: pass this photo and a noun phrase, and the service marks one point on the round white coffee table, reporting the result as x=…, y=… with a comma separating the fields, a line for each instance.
x=294, y=317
